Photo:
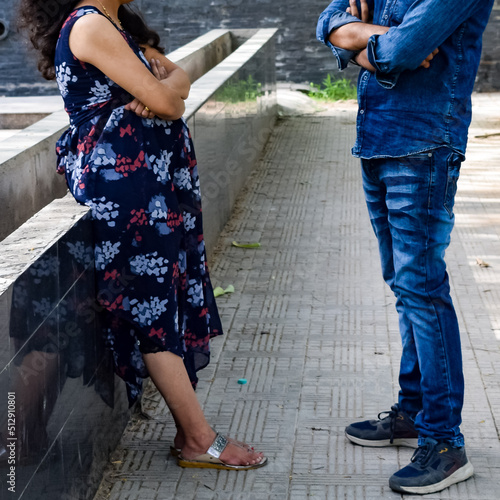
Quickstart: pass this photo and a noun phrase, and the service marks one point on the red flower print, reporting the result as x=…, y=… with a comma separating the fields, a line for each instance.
x=114, y=275
x=125, y=165
x=117, y=304
x=138, y=218
x=175, y=271
x=174, y=219
x=157, y=333
x=127, y=131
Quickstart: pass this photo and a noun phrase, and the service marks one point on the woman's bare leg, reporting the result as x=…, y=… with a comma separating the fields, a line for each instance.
x=169, y=374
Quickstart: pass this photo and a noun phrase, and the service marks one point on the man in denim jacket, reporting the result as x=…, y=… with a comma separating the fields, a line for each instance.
x=418, y=59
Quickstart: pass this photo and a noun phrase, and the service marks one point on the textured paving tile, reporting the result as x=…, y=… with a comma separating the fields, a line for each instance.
x=312, y=327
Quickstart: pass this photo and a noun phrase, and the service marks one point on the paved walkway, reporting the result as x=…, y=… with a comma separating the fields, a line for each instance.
x=312, y=328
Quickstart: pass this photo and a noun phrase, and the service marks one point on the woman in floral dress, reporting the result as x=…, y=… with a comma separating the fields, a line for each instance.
x=128, y=156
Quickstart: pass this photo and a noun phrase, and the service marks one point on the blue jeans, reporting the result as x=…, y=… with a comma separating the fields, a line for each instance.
x=410, y=203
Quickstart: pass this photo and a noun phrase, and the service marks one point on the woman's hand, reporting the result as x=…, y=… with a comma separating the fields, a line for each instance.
x=365, y=16
x=176, y=79
x=137, y=106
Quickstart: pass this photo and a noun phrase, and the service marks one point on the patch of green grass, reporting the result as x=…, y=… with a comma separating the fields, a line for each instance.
x=333, y=90
x=240, y=91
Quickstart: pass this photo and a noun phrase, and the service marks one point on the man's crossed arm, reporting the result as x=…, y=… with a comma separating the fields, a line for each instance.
x=355, y=36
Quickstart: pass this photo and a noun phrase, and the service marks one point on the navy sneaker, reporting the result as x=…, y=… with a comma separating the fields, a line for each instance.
x=395, y=429
x=434, y=466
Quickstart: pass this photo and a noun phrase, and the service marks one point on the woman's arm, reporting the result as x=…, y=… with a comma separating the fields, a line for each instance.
x=176, y=77
x=96, y=41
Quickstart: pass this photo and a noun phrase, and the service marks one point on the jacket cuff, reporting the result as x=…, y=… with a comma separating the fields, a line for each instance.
x=341, y=19
x=343, y=56
x=384, y=78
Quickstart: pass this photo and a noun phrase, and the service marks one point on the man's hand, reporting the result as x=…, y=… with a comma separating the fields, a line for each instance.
x=366, y=15
x=137, y=106
x=427, y=61
x=362, y=60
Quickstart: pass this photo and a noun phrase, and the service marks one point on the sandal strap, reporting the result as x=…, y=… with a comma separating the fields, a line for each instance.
x=218, y=446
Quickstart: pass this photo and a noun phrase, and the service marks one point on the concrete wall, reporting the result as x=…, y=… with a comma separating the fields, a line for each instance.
x=27, y=171
x=299, y=57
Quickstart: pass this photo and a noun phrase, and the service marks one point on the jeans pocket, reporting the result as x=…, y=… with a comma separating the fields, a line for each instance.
x=453, y=167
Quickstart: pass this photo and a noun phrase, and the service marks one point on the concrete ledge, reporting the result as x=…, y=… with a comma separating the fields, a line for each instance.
x=27, y=171
x=207, y=85
x=204, y=53
x=28, y=243
x=21, y=112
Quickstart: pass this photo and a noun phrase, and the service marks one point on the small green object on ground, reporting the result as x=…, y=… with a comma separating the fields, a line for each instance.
x=242, y=381
x=246, y=245
x=218, y=291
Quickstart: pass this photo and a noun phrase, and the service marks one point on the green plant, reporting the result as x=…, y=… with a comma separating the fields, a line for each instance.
x=333, y=90
x=240, y=91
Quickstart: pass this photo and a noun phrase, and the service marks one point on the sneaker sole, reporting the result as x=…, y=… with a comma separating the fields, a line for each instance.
x=381, y=443
x=465, y=472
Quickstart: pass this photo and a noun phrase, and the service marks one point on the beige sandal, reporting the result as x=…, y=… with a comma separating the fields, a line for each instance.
x=211, y=460
x=175, y=452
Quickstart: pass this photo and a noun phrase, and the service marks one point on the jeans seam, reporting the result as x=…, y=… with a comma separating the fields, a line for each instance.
x=445, y=368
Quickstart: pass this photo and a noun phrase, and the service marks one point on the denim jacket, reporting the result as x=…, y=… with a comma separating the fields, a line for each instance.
x=404, y=108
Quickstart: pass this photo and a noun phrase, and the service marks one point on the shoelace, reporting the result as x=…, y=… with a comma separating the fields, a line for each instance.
x=393, y=415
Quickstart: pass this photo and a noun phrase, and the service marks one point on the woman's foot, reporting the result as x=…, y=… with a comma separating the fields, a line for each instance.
x=234, y=453
x=180, y=440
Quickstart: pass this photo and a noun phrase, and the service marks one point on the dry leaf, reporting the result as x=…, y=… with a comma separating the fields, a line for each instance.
x=482, y=263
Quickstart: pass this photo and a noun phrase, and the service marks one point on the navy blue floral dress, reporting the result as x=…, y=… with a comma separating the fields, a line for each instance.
x=139, y=178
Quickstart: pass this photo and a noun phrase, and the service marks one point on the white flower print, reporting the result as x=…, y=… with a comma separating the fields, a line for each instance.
x=158, y=208
x=100, y=92
x=182, y=179
x=74, y=168
x=73, y=161
x=195, y=291
x=105, y=253
x=159, y=214
x=187, y=142
x=149, y=264
x=182, y=261
x=189, y=221
x=201, y=253
x=147, y=312
x=104, y=210
x=63, y=77
x=160, y=165
x=158, y=122
x=116, y=116
x=103, y=156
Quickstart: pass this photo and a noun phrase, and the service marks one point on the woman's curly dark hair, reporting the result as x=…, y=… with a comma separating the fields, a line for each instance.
x=43, y=20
